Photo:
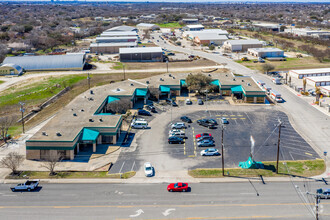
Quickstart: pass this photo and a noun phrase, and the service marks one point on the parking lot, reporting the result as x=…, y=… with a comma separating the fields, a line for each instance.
x=151, y=144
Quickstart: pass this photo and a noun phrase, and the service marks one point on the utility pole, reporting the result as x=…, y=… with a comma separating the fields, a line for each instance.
x=22, y=110
x=278, y=144
x=223, y=160
x=124, y=71
x=89, y=81
x=167, y=65
x=317, y=198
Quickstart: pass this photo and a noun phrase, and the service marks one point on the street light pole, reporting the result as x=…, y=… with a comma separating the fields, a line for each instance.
x=223, y=160
x=167, y=65
x=89, y=81
x=278, y=144
x=22, y=109
x=124, y=71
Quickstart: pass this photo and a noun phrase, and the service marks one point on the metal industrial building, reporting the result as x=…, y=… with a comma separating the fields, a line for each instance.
x=241, y=45
x=309, y=72
x=194, y=27
x=110, y=47
x=11, y=69
x=318, y=80
x=210, y=38
x=116, y=39
x=141, y=54
x=48, y=62
x=119, y=34
x=146, y=26
x=266, y=52
x=122, y=28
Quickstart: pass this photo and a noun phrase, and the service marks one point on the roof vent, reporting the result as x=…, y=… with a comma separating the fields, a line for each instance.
x=90, y=99
x=147, y=82
x=226, y=75
x=209, y=74
x=242, y=80
x=161, y=79
x=173, y=77
x=72, y=109
x=82, y=110
x=58, y=134
x=118, y=89
x=92, y=92
x=91, y=120
x=248, y=84
x=234, y=79
x=74, y=114
x=170, y=75
x=44, y=133
x=101, y=120
x=132, y=84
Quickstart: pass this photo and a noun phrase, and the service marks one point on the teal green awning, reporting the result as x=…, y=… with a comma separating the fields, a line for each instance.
x=112, y=99
x=215, y=82
x=237, y=89
x=183, y=82
x=89, y=135
x=165, y=89
x=141, y=92
x=104, y=114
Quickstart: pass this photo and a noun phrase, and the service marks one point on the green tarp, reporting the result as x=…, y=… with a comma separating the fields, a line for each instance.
x=215, y=82
x=111, y=99
x=251, y=164
x=89, y=135
x=237, y=89
x=141, y=92
x=183, y=83
x=165, y=89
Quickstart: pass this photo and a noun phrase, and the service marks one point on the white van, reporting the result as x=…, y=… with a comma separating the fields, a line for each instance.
x=139, y=124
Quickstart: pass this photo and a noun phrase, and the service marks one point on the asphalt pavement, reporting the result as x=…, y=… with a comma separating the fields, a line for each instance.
x=249, y=200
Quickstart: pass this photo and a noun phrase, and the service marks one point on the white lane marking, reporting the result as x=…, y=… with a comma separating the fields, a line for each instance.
x=138, y=212
x=248, y=118
x=168, y=212
x=121, y=167
x=9, y=195
x=133, y=166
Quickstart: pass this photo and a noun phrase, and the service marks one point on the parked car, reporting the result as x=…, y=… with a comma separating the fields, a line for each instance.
x=323, y=193
x=200, y=102
x=186, y=119
x=210, y=152
x=143, y=112
x=28, y=185
x=148, y=169
x=175, y=140
x=151, y=108
x=139, y=124
x=178, y=125
x=178, y=134
x=205, y=123
x=176, y=131
x=204, y=138
x=170, y=54
x=212, y=121
x=191, y=56
x=177, y=187
x=203, y=135
x=172, y=102
x=188, y=102
x=224, y=121
x=205, y=143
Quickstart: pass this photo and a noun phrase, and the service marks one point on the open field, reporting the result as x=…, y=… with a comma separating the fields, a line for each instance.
x=291, y=63
x=305, y=168
x=71, y=175
x=1, y=81
x=170, y=25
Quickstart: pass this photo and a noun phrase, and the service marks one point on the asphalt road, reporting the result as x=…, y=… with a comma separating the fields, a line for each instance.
x=312, y=124
x=152, y=201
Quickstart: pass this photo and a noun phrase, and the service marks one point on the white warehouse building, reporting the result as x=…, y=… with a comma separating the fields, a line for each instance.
x=309, y=72
x=266, y=52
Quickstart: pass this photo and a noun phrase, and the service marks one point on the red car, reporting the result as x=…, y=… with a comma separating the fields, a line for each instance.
x=203, y=135
x=177, y=187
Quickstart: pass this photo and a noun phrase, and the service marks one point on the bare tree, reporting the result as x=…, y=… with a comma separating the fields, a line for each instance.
x=304, y=84
x=267, y=67
x=318, y=94
x=5, y=123
x=198, y=82
x=154, y=92
x=120, y=106
x=12, y=161
x=51, y=163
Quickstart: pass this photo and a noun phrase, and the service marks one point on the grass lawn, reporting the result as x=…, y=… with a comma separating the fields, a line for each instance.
x=118, y=66
x=170, y=25
x=71, y=175
x=1, y=81
x=39, y=92
x=290, y=63
x=305, y=168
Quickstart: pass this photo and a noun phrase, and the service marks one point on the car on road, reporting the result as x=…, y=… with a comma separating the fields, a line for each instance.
x=143, y=112
x=186, y=119
x=177, y=187
x=139, y=124
x=188, y=102
x=224, y=121
x=28, y=185
x=203, y=135
x=170, y=54
x=210, y=152
x=200, y=102
x=175, y=140
x=178, y=125
x=323, y=193
x=205, y=143
x=148, y=169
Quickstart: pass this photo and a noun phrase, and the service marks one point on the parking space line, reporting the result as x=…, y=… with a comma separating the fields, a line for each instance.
x=242, y=118
x=309, y=154
x=192, y=156
x=133, y=166
x=121, y=167
x=248, y=117
x=233, y=118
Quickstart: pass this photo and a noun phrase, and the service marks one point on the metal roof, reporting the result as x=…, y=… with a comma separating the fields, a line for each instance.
x=211, y=36
x=146, y=25
x=122, y=28
x=310, y=71
x=195, y=26
x=68, y=61
x=243, y=42
x=319, y=78
x=118, y=33
x=116, y=38
x=119, y=44
x=140, y=50
x=17, y=67
x=266, y=49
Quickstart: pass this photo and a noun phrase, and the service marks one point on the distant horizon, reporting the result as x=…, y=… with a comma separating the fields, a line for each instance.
x=178, y=1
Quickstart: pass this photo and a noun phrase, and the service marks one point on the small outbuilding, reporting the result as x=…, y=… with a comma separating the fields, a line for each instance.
x=141, y=54
x=266, y=52
x=11, y=69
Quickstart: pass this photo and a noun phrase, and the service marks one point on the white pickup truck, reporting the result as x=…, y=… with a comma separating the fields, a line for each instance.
x=28, y=185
